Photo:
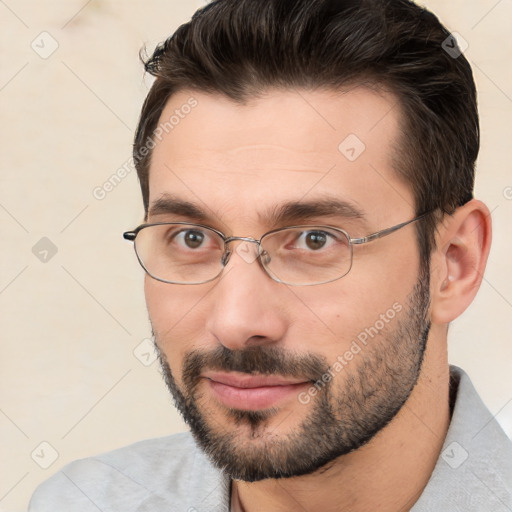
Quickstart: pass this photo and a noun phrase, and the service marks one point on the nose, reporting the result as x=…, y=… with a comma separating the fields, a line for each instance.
x=247, y=308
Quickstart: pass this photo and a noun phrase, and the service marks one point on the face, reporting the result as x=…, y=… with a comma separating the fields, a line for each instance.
x=278, y=380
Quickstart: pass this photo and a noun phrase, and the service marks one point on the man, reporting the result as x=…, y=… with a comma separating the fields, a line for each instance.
x=307, y=172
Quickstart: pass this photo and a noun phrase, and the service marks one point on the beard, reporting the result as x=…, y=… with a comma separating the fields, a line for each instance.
x=343, y=416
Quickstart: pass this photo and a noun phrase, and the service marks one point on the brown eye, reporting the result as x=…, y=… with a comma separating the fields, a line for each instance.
x=315, y=240
x=193, y=239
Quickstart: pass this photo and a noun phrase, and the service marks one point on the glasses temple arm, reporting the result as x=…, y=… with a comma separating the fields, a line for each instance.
x=384, y=232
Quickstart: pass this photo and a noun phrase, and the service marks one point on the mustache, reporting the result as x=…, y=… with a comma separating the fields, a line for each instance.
x=253, y=360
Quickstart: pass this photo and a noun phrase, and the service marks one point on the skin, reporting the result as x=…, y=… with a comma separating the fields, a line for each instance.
x=237, y=162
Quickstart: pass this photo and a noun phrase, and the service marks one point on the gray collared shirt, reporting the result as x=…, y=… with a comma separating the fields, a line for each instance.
x=171, y=474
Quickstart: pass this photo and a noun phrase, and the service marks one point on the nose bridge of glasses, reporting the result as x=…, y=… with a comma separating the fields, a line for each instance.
x=243, y=238
x=243, y=249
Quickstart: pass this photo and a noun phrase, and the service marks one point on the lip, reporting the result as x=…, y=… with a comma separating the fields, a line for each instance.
x=252, y=392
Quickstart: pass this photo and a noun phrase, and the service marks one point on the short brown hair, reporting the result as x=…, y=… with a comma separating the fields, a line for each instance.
x=242, y=48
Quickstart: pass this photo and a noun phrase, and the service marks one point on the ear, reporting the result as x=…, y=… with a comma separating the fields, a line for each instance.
x=458, y=263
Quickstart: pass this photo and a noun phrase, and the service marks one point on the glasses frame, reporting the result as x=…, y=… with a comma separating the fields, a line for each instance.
x=132, y=235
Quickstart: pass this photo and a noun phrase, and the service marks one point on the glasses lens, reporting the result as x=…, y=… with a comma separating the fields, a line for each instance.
x=306, y=254
x=180, y=253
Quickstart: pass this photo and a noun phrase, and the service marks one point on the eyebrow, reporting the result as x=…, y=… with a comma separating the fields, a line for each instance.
x=171, y=205
x=297, y=211
x=279, y=215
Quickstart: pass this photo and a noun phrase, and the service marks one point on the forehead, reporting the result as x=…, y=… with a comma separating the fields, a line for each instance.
x=239, y=159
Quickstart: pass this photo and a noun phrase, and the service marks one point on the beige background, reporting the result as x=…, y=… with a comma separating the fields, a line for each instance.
x=68, y=372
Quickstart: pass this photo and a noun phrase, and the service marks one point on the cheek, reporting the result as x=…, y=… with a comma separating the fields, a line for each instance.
x=339, y=312
x=176, y=316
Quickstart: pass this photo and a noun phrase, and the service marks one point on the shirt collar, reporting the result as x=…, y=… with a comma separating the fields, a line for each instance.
x=474, y=469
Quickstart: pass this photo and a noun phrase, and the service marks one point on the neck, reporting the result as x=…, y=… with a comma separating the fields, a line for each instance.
x=387, y=474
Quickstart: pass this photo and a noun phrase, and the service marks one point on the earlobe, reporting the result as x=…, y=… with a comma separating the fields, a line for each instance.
x=460, y=258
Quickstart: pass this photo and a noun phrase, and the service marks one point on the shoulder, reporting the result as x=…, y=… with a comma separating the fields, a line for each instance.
x=474, y=469
x=148, y=475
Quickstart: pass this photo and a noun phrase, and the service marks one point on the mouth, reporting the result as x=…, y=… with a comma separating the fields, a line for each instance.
x=243, y=391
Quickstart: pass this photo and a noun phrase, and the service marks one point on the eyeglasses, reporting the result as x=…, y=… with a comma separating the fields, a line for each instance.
x=184, y=253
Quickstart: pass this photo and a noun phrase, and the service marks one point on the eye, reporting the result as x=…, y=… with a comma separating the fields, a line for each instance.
x=190, y=238
x=313, y=240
